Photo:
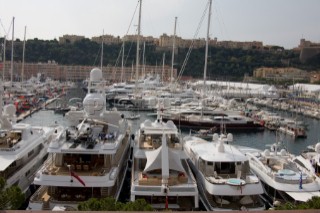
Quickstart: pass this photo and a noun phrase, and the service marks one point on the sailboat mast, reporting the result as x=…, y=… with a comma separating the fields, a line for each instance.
x=163, y=58
x=173, y=46
x=207, y=44
x=138, y=43
x=102, y=41
x=11, y=73
x=4, y=56
x=23, y=53
x=122, y=61
x=143, y=60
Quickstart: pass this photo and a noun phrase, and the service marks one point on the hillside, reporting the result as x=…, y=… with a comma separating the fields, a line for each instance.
x=230, y=64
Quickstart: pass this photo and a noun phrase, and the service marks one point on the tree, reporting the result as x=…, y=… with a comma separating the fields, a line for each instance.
x=313, y=203
x=137, y=205
x=10, y=197
x=110, y=204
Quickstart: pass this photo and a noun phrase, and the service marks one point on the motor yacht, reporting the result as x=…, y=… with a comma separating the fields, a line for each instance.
x=284, y=179
x=223, y=174
x=160, y=173
x=87, y=160
x=23, y=148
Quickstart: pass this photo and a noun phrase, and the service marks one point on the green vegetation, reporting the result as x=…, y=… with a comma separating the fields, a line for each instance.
x=223, y=63
x=110, y=204
x=11, y=197
x=313, y=203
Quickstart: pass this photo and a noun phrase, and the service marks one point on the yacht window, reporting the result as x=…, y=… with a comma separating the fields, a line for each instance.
x=30, y=153
x=225, y=167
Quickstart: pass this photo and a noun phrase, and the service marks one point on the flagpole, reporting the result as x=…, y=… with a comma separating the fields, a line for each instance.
x=71, y=178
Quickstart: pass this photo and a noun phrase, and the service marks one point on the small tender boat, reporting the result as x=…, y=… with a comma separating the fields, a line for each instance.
x=204, y=133
x=133, y=116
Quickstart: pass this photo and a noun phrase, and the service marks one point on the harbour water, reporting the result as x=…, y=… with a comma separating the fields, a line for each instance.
x=259, y=139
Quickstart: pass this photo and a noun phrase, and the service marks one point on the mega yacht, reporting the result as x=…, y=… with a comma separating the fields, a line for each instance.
x=23, y=148
x=225, y=182
x=88, y=160
x=160, y=173
x=283, y=177
x=310, y=159
x=207, y=118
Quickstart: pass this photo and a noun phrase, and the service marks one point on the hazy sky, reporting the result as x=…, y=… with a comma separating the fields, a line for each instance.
x=274, y=22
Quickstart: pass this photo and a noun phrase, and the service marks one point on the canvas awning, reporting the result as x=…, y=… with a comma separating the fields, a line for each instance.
x=303, y=196
x=156, y=161
x=6, y=160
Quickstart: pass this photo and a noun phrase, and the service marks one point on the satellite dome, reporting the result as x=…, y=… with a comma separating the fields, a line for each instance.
x=215, y=137
x=96, y=74
x=317, y=148
x=229, y=137
x=266, y=152
x=10, y=110
x=283, y=152
x=94, y=104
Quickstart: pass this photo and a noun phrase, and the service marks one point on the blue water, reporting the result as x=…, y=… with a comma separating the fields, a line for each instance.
x=259, y=139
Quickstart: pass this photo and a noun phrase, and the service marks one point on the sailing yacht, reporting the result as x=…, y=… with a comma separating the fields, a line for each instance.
x=160, y=173
x=223, y=174
x=23, y=148
x=89, y=159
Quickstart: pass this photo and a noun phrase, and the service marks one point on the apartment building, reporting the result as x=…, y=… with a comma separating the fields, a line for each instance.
x=287, y=73
x=80, y=73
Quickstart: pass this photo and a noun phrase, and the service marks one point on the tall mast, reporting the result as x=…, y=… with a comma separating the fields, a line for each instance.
x=122, y=61
x=11, y=71
x=23, y=53
x=163, y=58
x=102, y=41
x=4, y=57
x=207, y=44
x=138, y=43
x=173, y=46
x=143, y=60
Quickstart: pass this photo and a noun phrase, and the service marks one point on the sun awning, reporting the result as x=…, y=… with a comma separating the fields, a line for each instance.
x=303, y=196
x=6, y=160
x=156, y=161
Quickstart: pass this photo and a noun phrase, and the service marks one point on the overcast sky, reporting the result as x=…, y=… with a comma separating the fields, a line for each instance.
x=274, y=22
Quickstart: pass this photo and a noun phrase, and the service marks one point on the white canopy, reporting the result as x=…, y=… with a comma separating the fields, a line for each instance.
x=164, y=159
x=6, y=160
x=303, y=196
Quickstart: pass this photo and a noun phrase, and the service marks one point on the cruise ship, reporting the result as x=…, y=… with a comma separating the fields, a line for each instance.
x=88, y=160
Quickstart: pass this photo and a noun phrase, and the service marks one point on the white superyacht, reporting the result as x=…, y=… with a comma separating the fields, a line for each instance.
x=23, y=148
x=223, y=174
x=160, y=173
x=88, y=160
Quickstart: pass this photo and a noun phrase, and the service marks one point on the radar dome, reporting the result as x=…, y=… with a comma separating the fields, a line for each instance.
x=215, y=137
x=317, y=148
x=94, y=104
x=266, y=152
x=96, y=74
x=283, y=152
x=229, y=137
x=10, y=110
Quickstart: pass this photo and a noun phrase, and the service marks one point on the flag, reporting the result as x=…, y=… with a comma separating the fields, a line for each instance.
x=78, y=178
x=166, y=202
x=300, y=182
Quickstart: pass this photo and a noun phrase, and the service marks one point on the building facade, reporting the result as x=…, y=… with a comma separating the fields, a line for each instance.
x=80, y=73
x=278, y=74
